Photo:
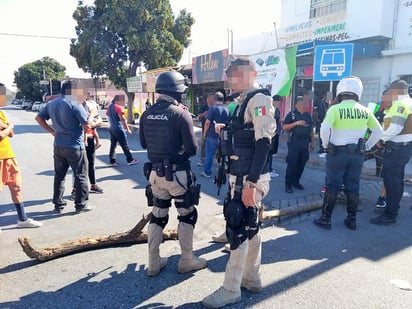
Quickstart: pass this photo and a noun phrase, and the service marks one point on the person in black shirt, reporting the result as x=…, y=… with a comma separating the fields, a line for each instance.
x=301, y=138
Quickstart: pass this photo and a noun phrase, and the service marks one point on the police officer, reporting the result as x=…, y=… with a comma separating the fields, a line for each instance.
x=397, y=146
x=300, y=126
x=166, y=131
x=253, y=127
x=342, y=134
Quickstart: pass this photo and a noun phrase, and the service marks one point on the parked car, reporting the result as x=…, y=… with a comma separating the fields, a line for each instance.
x=136, y=112
x=37, y=106
x=26, y=104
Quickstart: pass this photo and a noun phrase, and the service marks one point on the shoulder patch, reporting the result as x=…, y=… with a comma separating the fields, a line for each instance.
x=260, y=111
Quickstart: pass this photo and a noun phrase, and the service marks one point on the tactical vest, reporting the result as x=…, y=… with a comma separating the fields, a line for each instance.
x=157, y=131
x=241, y=138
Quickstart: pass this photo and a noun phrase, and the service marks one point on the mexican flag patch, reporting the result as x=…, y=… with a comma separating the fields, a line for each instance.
x=260, y=111
x=400, y=109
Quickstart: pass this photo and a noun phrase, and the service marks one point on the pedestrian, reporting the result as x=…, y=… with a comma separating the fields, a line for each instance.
x=232, y=103
x=69, y=119
x=396, y=141
x=274, y=146
x=218, y=113
x=166, y=131
x=342, y=133
x=119, y=130
x=249, y=179
x=11, y=175
x=301, y=139
x=92, y=143
x=210, y=101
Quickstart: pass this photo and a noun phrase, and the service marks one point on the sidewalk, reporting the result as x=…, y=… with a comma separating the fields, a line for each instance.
x=316, y=161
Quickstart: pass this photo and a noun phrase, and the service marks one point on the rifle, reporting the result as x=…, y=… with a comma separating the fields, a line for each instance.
x=222, y=154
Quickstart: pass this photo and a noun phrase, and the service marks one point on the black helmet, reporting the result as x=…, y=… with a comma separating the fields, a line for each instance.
x=171, y=82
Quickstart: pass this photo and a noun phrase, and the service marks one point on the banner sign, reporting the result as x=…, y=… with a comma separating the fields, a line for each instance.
x=276, y=70
x=210, y=68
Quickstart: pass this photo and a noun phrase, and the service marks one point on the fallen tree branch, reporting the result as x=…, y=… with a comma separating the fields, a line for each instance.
x=133, y=236
x=290, y=211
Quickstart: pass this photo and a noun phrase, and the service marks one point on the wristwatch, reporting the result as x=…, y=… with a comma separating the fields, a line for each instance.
x=249, y=185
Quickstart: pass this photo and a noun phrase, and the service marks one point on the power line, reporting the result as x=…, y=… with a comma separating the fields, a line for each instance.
x=36, y=36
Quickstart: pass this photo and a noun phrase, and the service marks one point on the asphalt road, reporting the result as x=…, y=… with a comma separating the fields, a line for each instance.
x=302, y=265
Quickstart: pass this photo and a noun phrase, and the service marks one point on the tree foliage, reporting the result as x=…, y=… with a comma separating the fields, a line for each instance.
x=28, y=77
x=114, y=37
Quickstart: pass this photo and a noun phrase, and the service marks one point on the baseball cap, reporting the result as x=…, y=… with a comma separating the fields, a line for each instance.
x=241, y=62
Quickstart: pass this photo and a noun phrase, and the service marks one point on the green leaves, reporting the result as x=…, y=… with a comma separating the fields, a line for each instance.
x=115, y=36
x=28, y=77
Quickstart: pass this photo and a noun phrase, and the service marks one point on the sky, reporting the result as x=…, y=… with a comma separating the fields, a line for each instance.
x=33, y=20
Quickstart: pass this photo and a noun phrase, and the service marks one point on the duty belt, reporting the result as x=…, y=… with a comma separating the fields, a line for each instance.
x=390, y=143
x=176, y=167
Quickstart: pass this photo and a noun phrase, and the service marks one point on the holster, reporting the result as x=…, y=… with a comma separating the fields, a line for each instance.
x=192, y=196
x=147, y=169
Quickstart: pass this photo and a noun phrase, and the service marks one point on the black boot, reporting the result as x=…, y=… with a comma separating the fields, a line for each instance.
x=352, y=202
x=329, y=202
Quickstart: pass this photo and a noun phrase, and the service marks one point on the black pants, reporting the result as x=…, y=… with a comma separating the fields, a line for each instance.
x=91, y=157
x=77, y=160
x=298, y=155
x=394, y=163
x=119, y=137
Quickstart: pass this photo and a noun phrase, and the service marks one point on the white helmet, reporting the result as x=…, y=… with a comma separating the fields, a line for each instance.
x=350, y=85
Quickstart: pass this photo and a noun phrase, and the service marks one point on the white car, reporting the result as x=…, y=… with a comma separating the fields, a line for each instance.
x=37, y=106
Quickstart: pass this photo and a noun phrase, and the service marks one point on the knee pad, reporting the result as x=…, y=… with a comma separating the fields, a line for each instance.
x=161, y=203
x=160, y=221
x=190, y=218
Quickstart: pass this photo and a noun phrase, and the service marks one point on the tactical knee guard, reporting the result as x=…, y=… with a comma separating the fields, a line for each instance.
x=190, y=218
x=235, y=215
x=161, y=203
x=160, y=221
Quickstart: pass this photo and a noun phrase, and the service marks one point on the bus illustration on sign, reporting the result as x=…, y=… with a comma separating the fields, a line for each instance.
x=332, y=61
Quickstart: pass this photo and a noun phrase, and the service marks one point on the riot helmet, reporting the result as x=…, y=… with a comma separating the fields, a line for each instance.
x=351, y=85
x=171, y=83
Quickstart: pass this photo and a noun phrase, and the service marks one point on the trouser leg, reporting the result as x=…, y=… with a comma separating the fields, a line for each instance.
x=235, y=267
x=329, y=202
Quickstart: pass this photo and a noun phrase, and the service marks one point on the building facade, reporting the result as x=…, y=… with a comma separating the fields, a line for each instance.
x=380, y=30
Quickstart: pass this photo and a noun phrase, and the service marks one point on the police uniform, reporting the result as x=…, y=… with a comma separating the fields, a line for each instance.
x=166, y=131
x=342, y=133
x=298, y=147
x=243, y=267
x=397, y=139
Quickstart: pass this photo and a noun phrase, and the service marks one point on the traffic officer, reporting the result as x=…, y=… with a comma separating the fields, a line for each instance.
x=397, y=146
x=299, y=125
x=166, y=131
x=253, y=127
x=342, y=133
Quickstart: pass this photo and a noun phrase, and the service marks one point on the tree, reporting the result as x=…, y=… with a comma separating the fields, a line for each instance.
x=28, y=77
x=115, y=36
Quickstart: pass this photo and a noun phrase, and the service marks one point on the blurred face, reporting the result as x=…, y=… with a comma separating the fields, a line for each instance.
x=275, y=103
x=210, y=100
x=76, y=95
x=241, y=78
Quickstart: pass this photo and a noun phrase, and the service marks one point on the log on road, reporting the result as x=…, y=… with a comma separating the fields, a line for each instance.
x=289, y=211
x=132, y=236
